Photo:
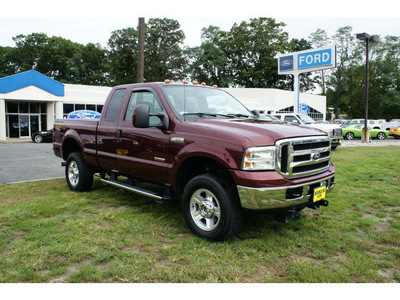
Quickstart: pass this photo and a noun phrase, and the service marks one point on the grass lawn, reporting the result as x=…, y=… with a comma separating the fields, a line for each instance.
x=50, y=234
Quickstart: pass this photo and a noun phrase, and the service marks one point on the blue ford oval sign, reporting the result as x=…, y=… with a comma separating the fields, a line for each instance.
x=84, y=114
x=286, y=63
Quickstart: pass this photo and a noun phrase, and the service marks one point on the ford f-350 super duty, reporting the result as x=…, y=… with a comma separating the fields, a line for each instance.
x=202, y=146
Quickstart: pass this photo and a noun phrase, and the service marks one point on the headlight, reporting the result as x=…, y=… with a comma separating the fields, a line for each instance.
x=259, y=158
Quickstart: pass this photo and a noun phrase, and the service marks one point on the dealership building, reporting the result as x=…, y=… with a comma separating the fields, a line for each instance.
x=31, y=101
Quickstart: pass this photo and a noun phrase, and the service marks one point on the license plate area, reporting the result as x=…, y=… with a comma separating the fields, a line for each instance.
x=319, y=193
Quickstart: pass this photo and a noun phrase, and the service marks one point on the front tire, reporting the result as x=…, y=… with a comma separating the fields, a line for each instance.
x=78, y=173
x=349, y=136
x=211, y=207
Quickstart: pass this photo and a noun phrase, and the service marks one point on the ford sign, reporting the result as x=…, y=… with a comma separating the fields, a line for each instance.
x=286, y=63
x=84, y=114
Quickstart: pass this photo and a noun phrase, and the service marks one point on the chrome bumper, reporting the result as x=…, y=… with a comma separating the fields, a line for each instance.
x=281, y=197
x=336, y=140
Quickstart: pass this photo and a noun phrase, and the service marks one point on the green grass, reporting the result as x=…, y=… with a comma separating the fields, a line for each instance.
x=50, y=234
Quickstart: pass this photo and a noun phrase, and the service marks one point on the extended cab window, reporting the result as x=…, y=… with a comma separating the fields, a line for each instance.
x=147, y=98
x=115, y=105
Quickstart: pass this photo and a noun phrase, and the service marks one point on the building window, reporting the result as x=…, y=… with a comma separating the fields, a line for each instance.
x=25, y=118
x=70, y=107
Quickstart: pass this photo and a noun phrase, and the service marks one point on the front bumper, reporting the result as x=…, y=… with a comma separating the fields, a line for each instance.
x=335, y=141
x=281, y=196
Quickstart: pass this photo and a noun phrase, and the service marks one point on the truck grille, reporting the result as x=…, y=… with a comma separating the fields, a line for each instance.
x=303, y=156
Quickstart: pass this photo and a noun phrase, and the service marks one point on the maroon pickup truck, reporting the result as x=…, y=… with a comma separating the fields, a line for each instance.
x=204, y=147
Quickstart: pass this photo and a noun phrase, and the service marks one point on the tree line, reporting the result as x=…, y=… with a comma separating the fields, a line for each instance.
x=244, y=56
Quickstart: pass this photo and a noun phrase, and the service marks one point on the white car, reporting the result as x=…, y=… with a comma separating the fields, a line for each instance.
x=374, y=124
x=333, y=130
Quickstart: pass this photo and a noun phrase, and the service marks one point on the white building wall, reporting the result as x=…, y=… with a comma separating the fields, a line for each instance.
x=273, y=100
x=2, y=120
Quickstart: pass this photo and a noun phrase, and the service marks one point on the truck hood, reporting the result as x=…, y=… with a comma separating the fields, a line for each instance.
x=258, y=132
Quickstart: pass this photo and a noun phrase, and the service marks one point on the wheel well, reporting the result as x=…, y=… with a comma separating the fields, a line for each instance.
x=69, y=146
x=196, y=166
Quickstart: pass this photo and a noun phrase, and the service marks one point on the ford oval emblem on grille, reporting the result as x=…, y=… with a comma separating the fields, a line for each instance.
x=316, y=156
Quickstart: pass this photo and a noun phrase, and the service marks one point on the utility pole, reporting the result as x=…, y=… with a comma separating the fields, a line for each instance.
x=368, y=39
x=140, y=66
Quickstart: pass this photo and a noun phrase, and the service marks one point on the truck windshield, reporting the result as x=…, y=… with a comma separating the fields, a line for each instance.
x=306, y=119
x=201, y=101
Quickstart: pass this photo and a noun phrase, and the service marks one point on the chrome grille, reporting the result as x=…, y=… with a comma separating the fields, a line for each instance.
x=303, y=156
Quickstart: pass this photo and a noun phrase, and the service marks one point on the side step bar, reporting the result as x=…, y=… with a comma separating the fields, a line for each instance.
x=159, y=198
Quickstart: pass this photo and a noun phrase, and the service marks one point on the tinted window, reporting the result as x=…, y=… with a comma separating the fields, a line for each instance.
x=147, y=98
x=115, y=105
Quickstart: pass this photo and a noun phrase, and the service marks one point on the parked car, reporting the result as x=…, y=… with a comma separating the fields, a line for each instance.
x=371, y=123
x=333, y=130
x=395, y=132
x=43, y=136
x=355, y=131
x=394, y=123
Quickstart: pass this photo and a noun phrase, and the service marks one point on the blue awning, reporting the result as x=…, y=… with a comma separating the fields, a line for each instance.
x=21, y=80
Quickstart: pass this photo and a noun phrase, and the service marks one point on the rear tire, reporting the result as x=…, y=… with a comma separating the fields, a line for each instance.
x=78, y=173
x=381, y=136
x=211, y=207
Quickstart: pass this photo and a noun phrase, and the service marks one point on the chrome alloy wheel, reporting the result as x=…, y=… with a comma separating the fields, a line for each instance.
x=73, y=173
x=205, y=209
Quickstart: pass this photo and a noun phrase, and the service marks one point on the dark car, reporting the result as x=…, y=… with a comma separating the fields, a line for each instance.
x=43, y=136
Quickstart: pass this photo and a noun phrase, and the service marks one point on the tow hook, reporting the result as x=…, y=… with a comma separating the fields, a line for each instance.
x=316, y=205
x=293, y=214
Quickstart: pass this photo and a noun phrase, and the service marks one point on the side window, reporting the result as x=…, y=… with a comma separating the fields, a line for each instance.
x=115, y=105
x=291, y=119
x=147, y=98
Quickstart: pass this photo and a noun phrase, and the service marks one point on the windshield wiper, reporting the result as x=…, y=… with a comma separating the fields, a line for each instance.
x=200, y=114
x=237, y=115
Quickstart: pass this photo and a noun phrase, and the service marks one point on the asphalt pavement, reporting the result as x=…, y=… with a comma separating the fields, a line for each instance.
x=27, y=161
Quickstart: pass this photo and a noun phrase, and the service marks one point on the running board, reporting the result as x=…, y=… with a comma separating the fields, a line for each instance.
x=137, y=190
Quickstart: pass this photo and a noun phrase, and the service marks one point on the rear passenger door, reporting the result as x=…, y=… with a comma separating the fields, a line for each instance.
x=107, y=131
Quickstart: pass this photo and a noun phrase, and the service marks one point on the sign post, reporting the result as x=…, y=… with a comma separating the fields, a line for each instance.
x=297, y=63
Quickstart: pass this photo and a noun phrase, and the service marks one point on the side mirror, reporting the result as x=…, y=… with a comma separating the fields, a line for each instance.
x=256, y=113
x=141, y=115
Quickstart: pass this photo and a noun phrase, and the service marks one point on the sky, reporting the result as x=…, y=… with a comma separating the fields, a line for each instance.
x=93, y=21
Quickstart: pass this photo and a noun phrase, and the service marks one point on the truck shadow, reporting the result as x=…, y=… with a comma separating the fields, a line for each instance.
x=256, y=224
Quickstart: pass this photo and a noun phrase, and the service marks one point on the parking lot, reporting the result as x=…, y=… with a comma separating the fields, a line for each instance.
x=26, y=161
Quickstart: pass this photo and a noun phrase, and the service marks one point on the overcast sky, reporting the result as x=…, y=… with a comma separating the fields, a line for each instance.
x=93, y=21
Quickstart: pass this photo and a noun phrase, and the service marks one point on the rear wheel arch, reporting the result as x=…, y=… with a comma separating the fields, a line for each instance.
x=70, y=145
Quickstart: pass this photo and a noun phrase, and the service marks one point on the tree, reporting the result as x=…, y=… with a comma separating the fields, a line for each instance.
x=342, y=77
x=27, y=52
x=54, y=57
x=6, y=67
x=251, y=48
x=319, y=39
x=122, y=56
x=209, y=61
x=163, y=54
x=88, y=65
